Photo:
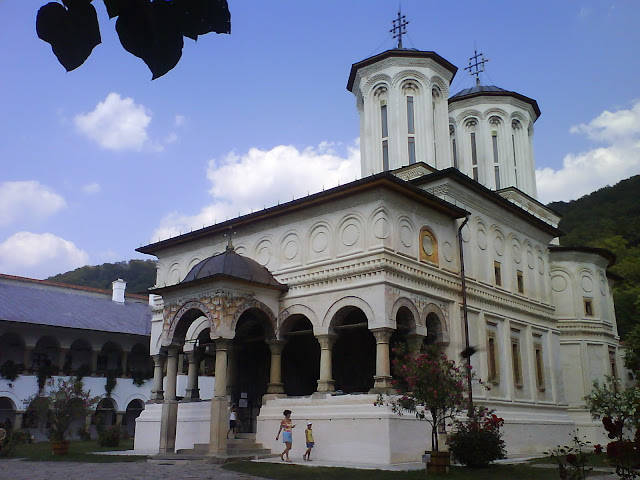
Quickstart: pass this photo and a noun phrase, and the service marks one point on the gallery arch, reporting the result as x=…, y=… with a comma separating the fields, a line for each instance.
x=300, y=356
x=354, y=351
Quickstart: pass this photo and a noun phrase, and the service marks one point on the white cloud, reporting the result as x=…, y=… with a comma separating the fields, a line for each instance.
x=179, y=120
x=91, y=188
x=259, y=178
x=116, y=124
x=584, y=172
x=28, y=200
x=39, y=255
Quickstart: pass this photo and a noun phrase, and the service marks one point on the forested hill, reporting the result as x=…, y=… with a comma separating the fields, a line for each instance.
x=610, y=218
x=140, y=275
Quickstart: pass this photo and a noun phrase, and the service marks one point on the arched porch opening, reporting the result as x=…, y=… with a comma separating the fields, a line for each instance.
x=434, y=330
x=140, y=365
x=354, y=351
x=250, y=364
x=134, y=409
x=11, y=348
x=300, y=356
x=399, y=342
x=78, y=357
x=7, y=412
x=105, y=414
x=110, y=358
x=46, y=353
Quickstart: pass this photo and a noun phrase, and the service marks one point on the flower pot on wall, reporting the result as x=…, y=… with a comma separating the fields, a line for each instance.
x=439, y=463
x=60, y=448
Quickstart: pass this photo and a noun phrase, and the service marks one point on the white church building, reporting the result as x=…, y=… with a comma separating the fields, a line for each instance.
x=303, y=302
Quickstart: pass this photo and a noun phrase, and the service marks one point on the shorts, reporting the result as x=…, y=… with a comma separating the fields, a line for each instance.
x=287, y=437
x=309, y=444
x=232, y=423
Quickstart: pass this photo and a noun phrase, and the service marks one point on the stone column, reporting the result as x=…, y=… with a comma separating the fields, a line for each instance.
x=383, y=366
x=157, y=394
x=232, y=364
x=326, y=383
x=414, y=343
x=123, y=363
x=119, y=416
x=27, y=358
x=169, y=416
x=193, y=392
x=94, y=362
x=17, y=421
x=219, y=404
x=61, y=357
x=275, y=378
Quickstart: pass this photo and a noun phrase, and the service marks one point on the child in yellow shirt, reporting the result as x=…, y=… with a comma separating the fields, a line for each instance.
x=308, y=434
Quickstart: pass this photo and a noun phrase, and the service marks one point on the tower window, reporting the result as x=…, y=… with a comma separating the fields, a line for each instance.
x=474, y=156
x=412, y=150
x=383, y=115
x=410, y=122
x=496, y=168
x=497, y=273
x=492, y=358
x=385, y=155
x=455, y=153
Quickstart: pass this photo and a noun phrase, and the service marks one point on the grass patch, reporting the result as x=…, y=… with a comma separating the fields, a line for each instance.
x=593, y=461
x=78, y=452
x=298, y=472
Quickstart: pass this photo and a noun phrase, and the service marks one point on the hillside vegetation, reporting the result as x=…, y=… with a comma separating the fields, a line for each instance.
x=140, y=275
x=610, y=218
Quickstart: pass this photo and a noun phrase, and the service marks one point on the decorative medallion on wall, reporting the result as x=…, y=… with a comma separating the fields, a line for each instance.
x=517, y=252
x=290, y=248
x=530, y=259
x=428, y=246
x=319, y=242
x=498, y=244
x=381, y=228
x=466, y=234
x=447, y=251
x=406, y=232
x=587, y=283
x=603, y=284
x=264, y=251
x=350, y=234
x=481, y=237
x=540, y=266
x=558, y=283
x=241, y=250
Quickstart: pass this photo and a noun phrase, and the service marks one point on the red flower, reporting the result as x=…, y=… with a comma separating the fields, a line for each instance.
x=572, y=458
x=597, y=448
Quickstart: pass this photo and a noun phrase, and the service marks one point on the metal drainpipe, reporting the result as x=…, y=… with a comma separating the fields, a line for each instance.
x=464, y=314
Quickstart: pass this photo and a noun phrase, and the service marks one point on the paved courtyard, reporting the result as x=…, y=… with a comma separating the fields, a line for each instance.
x=22, y=470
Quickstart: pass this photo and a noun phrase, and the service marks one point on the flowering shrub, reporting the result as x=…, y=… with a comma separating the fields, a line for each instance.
x=60, y=405
x=619, y=409
x=477, y=441
x=572, y=460
x=432, y=388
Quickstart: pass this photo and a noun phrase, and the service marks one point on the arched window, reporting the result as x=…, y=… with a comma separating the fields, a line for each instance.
x=381, y=95
x=436, y=96
x=516, y=127
x=454, y=146
x=495, y=124
x=410, y=90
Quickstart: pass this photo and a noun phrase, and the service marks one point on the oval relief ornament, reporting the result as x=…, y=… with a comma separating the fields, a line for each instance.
x=517, y=253
x=558, y=283
x=499, y=245
x=427, y=245
x=350, y=234
x=290, y=249
x=381, y=228
x=447, y=251
x=319, y=242
x=587, y=284
x=482, y=239
x=405, y=235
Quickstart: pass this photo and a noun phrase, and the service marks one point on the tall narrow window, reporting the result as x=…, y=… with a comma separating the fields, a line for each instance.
x=492, y=358
x=454, y=147
x=474, y=156
x=410, y=123
x=613, y=363
x=539, y=366
x=517, y=365
x=515, y=126
x=520, y=280
x=383, y=115
x=385, y=155
x=588, y=307
x=412, y=150
x=496, y=166
x=497, y=273
x=436, y=97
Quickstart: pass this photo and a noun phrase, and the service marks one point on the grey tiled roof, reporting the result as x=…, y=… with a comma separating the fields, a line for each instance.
x=60, y=307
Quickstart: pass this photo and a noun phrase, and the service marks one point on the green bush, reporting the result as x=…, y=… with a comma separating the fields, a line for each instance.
x=10, y=370
x=109, y=436
x=9, y=443
x=476, y=442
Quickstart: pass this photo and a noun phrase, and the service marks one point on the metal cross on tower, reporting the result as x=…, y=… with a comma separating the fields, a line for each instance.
x=230, y=233
x=477, y=67
x=399, y=27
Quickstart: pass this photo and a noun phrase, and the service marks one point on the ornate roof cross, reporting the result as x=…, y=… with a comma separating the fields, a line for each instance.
x=477, y=67
x=399, y=27
x=230, y=234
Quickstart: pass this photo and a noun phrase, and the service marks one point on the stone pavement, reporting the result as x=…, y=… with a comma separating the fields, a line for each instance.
x=22, y=470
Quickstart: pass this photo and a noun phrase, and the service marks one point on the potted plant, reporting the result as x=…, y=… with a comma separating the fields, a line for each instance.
x=58, y=406
x=432, y=388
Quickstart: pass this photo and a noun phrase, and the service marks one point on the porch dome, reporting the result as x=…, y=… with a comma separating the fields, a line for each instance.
x=232, y=265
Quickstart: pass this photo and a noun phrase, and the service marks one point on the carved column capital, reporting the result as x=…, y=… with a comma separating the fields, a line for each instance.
x=276, y=346
x=383, y=334
x=326, y=341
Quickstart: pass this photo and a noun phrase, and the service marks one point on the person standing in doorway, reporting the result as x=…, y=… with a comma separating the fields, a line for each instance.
x=286, y=428
x=308, y=435
x=233, y=421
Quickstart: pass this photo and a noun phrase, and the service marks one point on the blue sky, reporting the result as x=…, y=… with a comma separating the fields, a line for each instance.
x=96, y=162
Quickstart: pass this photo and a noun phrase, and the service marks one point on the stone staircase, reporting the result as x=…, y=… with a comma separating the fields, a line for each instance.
x=243, y=447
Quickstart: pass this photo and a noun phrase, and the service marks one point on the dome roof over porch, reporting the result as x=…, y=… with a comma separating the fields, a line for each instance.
x=227, y=264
